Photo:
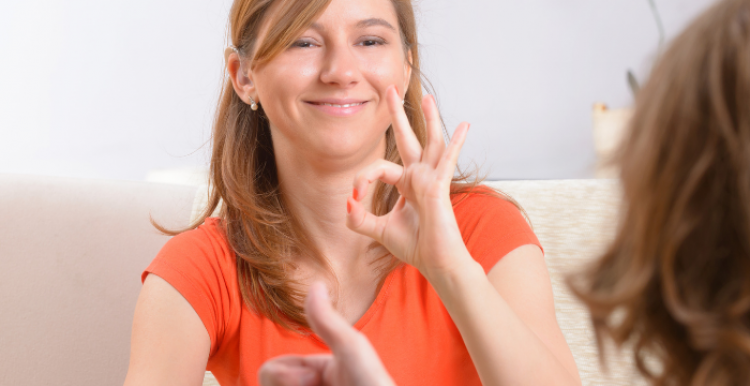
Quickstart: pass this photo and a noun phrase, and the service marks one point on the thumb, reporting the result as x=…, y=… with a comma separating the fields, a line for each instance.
x=363, y=222
x=326, y=322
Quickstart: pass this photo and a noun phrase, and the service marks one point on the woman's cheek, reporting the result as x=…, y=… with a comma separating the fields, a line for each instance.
x=384, y=71
x=291, y=71
x=309, y=69
x=281, y=83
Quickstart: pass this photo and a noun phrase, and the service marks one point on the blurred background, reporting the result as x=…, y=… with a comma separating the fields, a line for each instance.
x=122, y=89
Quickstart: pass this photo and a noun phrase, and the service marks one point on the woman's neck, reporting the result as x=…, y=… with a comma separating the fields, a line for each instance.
x=316, y=190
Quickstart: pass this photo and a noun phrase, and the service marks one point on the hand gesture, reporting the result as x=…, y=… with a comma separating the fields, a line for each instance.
x=353, y=361
x=421, y=229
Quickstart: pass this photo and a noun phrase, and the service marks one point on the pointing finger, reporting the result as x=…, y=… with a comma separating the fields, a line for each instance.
x=326, y=322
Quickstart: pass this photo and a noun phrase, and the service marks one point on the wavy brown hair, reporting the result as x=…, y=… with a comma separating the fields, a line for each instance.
x=676, y=281
x=259, y=225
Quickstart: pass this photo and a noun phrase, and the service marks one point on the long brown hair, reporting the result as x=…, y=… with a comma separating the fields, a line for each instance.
x=676, y=281
x=259, y=226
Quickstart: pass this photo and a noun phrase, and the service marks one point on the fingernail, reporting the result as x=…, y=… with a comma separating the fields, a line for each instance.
x=320, y=289
x=354, y=193
x=348, y=207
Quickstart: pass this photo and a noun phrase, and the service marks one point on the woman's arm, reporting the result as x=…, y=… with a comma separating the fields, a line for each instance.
x=170, y=344
x=507, y=320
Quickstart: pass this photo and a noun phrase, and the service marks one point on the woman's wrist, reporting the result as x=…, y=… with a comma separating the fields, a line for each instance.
x=448, y=281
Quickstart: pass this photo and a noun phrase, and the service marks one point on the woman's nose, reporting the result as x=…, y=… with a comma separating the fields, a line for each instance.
x=341, y=67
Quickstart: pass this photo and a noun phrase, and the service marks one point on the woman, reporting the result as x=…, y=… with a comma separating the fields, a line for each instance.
x=325, y=96
x=676, y=281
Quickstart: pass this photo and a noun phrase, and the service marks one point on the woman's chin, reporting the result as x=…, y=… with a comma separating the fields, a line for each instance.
x=328, y=142
x=342, y=152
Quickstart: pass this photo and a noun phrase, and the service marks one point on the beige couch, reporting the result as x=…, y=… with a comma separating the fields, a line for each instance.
x=71, y=252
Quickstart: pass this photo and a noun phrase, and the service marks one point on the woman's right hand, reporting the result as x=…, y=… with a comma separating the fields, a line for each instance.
x=353, y=361
x=421, y=228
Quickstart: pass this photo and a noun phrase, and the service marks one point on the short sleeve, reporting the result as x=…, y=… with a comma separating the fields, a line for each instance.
x=199, y=265
x=491, y=226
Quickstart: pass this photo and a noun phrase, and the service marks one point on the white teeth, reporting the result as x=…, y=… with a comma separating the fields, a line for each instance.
x=342, y=106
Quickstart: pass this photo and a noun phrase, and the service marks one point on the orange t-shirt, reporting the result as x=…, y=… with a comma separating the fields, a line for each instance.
x=407, y=324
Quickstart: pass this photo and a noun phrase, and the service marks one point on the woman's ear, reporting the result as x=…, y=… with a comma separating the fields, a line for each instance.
x=241, y=81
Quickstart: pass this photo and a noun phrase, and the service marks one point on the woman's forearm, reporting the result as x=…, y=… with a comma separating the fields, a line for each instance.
x=504, y=350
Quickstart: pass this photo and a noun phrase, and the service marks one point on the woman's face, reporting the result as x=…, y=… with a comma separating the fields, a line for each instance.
x=325, y=94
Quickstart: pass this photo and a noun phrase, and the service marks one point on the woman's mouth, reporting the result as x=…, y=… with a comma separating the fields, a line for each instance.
x=337, y=105
x=338, y=108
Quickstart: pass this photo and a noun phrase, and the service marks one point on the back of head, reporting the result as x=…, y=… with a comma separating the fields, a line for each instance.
x=678, y=273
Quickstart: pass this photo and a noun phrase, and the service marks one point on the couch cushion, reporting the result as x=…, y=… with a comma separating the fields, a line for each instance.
x=72, y=251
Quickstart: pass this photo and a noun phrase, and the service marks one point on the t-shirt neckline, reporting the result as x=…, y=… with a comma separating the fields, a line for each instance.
x=374, y=307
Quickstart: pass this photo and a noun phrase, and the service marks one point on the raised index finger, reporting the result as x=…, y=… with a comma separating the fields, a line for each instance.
x=406, y=141
x=326, y=322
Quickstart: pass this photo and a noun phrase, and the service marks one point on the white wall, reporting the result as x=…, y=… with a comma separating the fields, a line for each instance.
x=85, y=88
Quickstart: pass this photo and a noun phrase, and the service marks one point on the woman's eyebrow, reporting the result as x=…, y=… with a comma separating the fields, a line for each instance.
x=373, y=22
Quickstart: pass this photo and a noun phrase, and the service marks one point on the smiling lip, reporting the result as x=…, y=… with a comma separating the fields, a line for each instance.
x=338, y=107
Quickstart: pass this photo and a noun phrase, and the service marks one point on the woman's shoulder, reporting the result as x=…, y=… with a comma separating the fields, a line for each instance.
x=197, y=251
x=481, y=201
x=210, y=233
x=491, y=224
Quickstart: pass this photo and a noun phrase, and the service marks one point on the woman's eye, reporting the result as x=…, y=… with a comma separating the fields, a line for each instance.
x=303, y=44
x=371, y=42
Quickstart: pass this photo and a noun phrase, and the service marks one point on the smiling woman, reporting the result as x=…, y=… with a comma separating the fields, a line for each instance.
x=328, y=165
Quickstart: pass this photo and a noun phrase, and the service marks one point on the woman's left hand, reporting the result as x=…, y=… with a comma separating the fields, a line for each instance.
x=421, y=228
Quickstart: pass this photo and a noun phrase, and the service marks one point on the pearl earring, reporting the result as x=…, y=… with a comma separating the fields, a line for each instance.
x=253, y=105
